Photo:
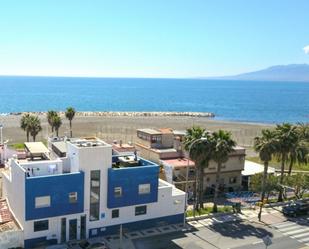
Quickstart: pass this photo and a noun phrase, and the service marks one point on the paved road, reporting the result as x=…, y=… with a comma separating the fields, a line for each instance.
x=297, y=229
x=278, y=243
x=226, y=232
x=228, y=235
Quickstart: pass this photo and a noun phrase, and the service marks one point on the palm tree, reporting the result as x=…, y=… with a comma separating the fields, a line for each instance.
x=24, y=124
x=265, y=145
x=198, y=144
x=223, y=146
x=57, y=123
x=287, y=136
x=50, y=115
x=34, y=126
x=70, y=113
x=299, y=149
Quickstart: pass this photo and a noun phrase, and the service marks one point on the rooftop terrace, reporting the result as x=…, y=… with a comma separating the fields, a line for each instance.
x=87, y=142
x=125, y=161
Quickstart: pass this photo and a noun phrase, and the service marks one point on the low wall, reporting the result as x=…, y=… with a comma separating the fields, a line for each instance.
x=11, y=239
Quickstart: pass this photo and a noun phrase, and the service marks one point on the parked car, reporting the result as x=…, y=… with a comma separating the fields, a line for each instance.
x=296, y=208
x=85, y=244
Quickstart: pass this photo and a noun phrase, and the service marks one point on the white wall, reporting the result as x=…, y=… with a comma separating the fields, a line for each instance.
x=167, y=205
x=234, y=163
x=54, y=228
x=41, y=168
x=87, y=159
x=14, y=191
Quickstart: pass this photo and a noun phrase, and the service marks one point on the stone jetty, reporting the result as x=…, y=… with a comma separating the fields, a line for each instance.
x=133, y=114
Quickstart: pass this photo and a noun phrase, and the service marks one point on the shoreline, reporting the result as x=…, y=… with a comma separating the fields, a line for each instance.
x=123, y=127
x=122, y=113
x=209, y=115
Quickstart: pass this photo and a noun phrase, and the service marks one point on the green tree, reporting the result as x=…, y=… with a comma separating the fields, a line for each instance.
x=223, y=145
x=199, y=145
x=24, y=124
x=265, y=145
x=286, y=136
x=57, y=123
x=34, y=126
x=298, y=182
x=70, y=113
x=50, y=115
x=270, y=186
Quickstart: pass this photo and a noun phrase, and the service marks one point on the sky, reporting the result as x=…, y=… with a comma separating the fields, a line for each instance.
x=141, y=38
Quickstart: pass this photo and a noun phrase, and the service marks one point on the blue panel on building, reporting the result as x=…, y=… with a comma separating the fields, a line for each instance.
x=58, y=188
x=129, y=179
x=38, y=242
x=138, y=225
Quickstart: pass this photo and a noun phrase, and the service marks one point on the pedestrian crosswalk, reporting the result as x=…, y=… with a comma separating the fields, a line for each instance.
x=298, y=230
x=213, y=220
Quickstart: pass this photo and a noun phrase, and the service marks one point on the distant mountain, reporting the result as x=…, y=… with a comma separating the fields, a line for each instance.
x=292, y=72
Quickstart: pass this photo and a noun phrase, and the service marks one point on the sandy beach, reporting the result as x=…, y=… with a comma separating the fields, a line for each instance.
x=115, y=127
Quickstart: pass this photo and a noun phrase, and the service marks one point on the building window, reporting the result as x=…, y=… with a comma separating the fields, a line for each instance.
x=233, y=180
x=94, y=232
x=156, y=139
x=42, y=201
x=140, y=210
x=41, y=225
x=94, y=195
x=73, y=197
x=115, y=213
x=117, y=191
x=143, y=189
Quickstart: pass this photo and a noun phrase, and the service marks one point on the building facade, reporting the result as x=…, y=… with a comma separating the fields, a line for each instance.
x=176, y=171
x=86, y=192
x=159, y=144
x=165, y=147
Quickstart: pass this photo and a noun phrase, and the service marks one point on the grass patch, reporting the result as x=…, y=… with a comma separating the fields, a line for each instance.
x=274, y=163
x=17, y=146
x=208, y=210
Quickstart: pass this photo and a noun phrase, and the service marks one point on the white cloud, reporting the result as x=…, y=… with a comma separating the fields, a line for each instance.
x=306, y=49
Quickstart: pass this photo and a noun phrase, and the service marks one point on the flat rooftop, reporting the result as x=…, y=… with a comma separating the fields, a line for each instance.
x=123, y=147
x=36, y=148
x=61, y=146
x=87, y=142
x=252, y=168
x=150, y=131
x=179, y=132
x=166, y=130
x=129, y=160
x=178, y=162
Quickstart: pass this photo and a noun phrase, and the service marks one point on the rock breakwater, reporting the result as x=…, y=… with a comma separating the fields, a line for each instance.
x=133, y=114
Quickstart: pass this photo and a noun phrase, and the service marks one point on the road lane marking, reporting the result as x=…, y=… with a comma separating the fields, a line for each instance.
x=297, y=231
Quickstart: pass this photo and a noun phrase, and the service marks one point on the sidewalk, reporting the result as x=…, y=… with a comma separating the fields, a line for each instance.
x=113, y=241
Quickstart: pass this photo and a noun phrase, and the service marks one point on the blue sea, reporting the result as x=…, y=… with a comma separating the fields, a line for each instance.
x=247, y=101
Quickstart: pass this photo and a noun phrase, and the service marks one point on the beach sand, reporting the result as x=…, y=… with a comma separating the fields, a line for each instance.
x=123, y=128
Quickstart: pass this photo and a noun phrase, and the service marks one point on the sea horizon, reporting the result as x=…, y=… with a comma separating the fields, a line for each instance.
x=230, y=100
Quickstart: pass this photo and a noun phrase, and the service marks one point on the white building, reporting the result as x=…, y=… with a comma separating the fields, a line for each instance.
x=77, y=189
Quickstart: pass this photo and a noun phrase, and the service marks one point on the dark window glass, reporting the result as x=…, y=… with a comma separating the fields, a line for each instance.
x=115, y=213
x=140, y=210
x=41, y=225
x=94, y=195
x=63, y=229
